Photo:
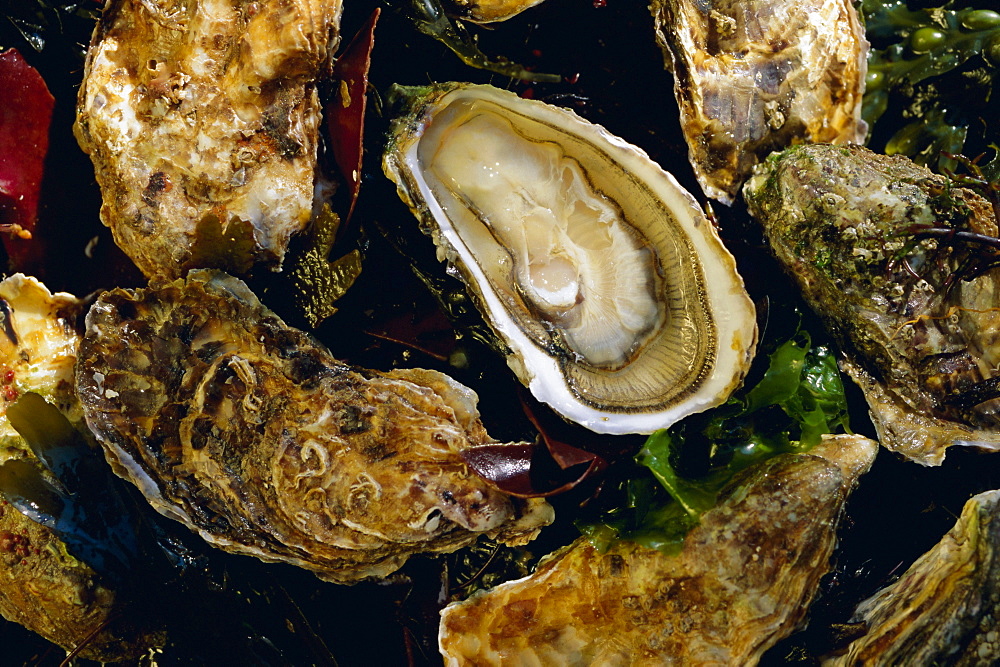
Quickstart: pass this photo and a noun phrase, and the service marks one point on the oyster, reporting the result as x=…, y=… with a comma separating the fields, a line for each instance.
x=489, y=11
x=619, y=304
x=741, y=582
x=252, y=435
x=201, y=117
x=37, y=346
x=42, y=585
x=754, y=77
x=899, y=263
x=944, y=608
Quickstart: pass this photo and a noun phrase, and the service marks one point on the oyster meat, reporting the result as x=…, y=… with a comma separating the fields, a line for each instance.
x=43, y=586
x=898, y=262
x=944, y=608
x=201, y=117
x=618, y=303
x=251, y=434
x=742, y=581
x=751, y=77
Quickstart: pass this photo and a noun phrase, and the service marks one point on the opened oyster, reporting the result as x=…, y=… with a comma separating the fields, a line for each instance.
x=252, y=435
x=619, y=304
x=754, y=77
x=43, y=586
x=742, y=581
x=944, y=608
x=201, y=118
x=900, y=264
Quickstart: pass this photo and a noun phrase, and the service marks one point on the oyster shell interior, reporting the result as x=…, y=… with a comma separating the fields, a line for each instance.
x=620, y=306
x=251, y=434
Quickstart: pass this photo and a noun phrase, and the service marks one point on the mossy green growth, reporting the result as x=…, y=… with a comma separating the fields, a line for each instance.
x=319, y=282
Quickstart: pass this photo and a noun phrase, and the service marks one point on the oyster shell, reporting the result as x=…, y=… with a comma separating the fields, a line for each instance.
x=754, y=77
x=43, y=586
x=944, y=608
x=490, y=11
x=742, y=581
x=887, y=253
x=252, y=435
x=201, y=117
x=38, y=340
x=619, y=304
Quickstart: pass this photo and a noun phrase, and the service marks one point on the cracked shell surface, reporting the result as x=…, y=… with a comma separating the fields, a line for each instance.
x=253, y=435
x=201, y=118
x=944, y=609
x=917, y=315
x=742, y=580
x=751, y=77
x=617, y=302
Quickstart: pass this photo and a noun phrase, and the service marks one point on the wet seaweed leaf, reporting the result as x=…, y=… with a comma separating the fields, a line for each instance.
x=345, y=115
x=317, y=281
x=799, y=398
x=940, y=64
x=24, y=135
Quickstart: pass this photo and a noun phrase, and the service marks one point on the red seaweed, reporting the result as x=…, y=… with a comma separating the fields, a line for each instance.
x=345, y=114
x=548, y=468
x=24, y=141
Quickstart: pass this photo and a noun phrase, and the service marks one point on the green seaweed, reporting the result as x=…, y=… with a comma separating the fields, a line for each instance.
x=799, y=398
x=930, y=70
x=319, y=282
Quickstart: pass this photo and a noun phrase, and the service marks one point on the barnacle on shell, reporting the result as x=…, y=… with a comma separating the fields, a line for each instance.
x=899, y=263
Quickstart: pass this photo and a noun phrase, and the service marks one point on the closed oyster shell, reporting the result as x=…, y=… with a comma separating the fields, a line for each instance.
x=42, y=586
x=742, y=581
x=38, y=339
x=201, y=118
x=944, y=609
x=619, y=305
x=251, y=434
x=755, y=76
x=50, y=592
x=491, y=11
x=914, y=309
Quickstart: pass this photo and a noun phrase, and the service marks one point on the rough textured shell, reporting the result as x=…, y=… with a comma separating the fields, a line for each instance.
x=490, y=11
x=694, y=349
x=944, y=608
x=254, y=436
x=916, y=311
x=201, y=118
x=742, y=581
x=42, y=586
x=38, y=344
x=755, y=76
